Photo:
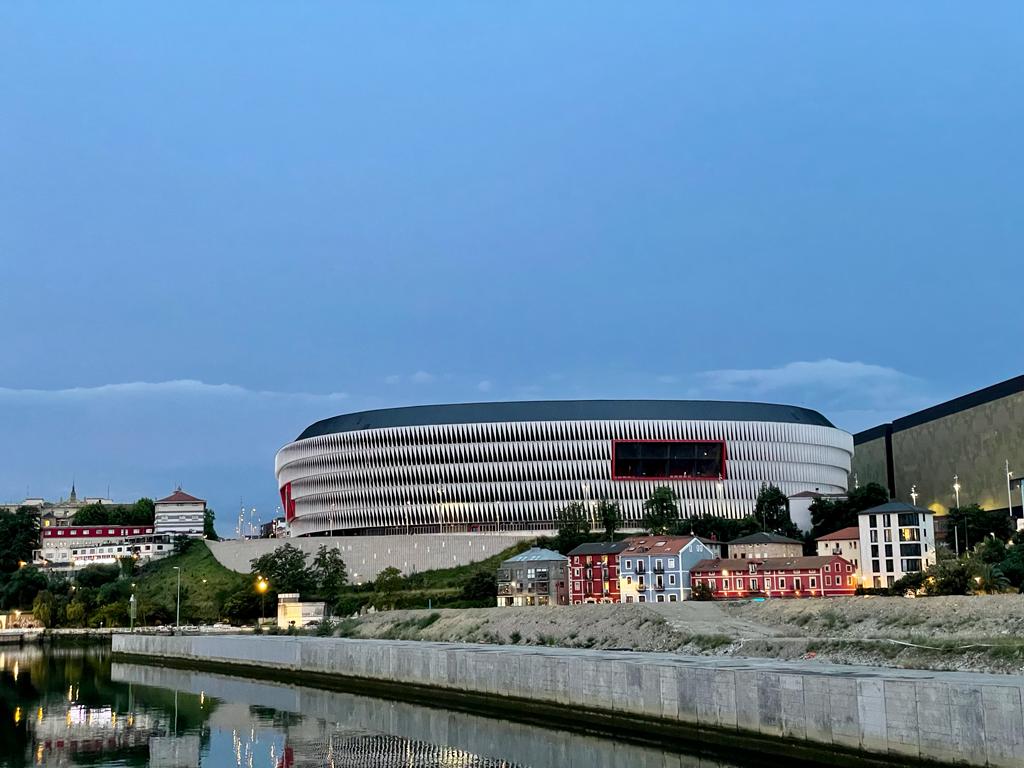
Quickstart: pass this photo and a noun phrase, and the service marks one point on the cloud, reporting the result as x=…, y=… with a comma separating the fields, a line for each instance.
x=175, y=387
x=854, y=393
x=422, y=377
x=485, y=385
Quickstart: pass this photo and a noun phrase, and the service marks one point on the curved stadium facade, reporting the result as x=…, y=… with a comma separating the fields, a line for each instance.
x=511, y=466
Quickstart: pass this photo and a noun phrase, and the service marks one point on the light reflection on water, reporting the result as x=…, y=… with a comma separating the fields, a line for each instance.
x=67, y=706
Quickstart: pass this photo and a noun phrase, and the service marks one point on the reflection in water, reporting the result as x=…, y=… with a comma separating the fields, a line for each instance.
x=66, y=706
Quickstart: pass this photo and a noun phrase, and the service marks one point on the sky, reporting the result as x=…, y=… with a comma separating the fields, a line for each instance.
x=220, y=222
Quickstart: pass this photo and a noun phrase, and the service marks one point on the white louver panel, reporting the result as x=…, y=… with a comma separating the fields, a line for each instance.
x=517, y=475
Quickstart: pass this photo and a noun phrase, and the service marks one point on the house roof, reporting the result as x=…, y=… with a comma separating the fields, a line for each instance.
x=536, y=553
x=599, y=548
x=180, y=496
x=844, y=534
x=655, y=544
x=763, y=537
x=765, y=563
x=895, y=507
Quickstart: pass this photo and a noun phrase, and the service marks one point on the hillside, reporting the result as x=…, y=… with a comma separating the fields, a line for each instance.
x=205, y=586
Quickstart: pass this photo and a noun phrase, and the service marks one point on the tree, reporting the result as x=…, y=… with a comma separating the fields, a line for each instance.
x=143, y=512
x=661, y=510
x=92, y=514
x=711, y=526
x=96, y=575
x=329, y=572
x=702, y=592
x=609, y=513
x=482, y=585
x=285, y=569
x=830, y=515
x=573, y=526
x=772, y=509
x=969, y=525
x=989, y=580
x=387, y=584
x=209, y=531
x=19, y=535
x=76, y=614
x=21, y=587
x=43, y=608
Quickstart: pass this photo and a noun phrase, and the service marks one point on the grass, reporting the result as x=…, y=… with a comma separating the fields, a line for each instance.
x=710, y=642
x=457, y=577
x=205, y=584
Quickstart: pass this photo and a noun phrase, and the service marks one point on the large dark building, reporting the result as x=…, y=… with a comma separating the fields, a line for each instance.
x=512, y=466
x=965, y=442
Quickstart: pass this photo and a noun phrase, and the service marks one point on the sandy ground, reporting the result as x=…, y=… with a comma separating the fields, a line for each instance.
x=984, y=633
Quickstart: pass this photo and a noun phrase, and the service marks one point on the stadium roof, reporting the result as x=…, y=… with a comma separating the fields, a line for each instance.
x=566, y=410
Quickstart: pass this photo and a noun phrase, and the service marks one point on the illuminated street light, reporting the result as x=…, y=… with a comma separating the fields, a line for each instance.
x=956, y=489
x=261, y=586
x=913, y=494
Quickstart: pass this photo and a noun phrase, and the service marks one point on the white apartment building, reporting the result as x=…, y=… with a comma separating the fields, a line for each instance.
x=895, y=539
x=180, y=514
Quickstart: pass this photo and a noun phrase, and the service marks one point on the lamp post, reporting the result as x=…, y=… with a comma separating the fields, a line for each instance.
x=261, y=587
x=131, y=613
x=1009, y=497
x=177, y=614
x=913, y=494
x=956, y=489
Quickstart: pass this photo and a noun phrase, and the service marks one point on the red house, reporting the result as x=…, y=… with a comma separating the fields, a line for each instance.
x=594, y=572
x=819, y=576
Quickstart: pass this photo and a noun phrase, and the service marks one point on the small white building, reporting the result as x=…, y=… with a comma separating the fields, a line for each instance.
x=844, y=542
x=896, y=538
x=292, y=612
x=800, y=506
x=180, y=514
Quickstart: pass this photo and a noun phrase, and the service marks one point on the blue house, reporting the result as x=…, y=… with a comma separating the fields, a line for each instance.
x=656, y=569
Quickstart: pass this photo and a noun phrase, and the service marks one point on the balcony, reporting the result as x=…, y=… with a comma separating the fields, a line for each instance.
x=641, y=568
x=541, y=588
x=659, y=568
x=505, y=589
x=659, y=587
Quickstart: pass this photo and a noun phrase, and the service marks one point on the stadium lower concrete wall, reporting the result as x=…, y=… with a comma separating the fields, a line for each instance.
x=904, y=715
x=366, y=556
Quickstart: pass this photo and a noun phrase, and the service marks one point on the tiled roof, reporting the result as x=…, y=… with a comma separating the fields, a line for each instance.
x=895, y=507
x=761, y=537
x=599, y=548
x=655, y=544
x=845, y=534
x=765, y=563
x=536, y=553
x=180, y=496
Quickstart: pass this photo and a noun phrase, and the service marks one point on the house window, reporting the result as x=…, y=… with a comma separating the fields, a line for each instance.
x=828, y=581
x=849, y=581
x=627, y=564
x=725, y=583
x=874, y=536
x=672, y=579
x=796, y=583
x=782, y=582
x=629, y=598
x=671, y=562
x=753, y=585
x=643, y=599
x=814, y=581
x=659, y=565
x=672, y=598
x=768, y=582
x=873, y=522
x=629, y=579
x=828, y=568
x=661, y=598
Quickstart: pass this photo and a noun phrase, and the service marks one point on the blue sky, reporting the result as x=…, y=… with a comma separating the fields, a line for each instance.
x=219, y=222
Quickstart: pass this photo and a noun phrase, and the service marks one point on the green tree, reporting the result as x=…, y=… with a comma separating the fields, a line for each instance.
x=96, y=575
x=92, y=514
x=609, y=513
x=482, y=585
x=43, y=608
x=711, y=526
x=830, y=515
x=772, y=509
x=971, y=524
x=661, y=510
x=209, y=531
x=329, y=572
x=988, y=579
x=19, y=535
x=285, y=569
x=143, y=512
x=573, y=526
x=386, y=586
x=76, y=614
x=21, y=587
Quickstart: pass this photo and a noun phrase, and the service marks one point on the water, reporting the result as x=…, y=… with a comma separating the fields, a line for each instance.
x=67, y=706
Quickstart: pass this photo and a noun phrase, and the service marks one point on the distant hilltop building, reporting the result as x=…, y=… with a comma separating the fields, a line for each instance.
x=59, y=514
x=180, y=514
x=511, y=467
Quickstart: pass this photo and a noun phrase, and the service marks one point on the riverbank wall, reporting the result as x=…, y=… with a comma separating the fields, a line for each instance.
x=804, y=711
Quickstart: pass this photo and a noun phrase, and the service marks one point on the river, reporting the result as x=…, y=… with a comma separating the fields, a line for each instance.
x=71, y=705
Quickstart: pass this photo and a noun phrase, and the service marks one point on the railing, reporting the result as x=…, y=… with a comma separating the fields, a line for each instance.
x=659, y=587
x=641, y=568
x=659, y=568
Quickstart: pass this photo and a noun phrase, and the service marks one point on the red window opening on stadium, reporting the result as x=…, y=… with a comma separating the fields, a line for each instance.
x=668, y=459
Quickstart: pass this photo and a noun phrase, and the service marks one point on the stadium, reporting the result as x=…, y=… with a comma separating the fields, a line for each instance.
x=512, y=466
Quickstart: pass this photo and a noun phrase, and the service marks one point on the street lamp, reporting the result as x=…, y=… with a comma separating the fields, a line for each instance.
x=913, y=494
x=261, y=587
x=177, y=614
x=956, y=489
x=1009, y=497
x=131, y=613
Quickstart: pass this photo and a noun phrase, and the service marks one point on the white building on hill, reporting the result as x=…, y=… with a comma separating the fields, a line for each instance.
x=180, y=514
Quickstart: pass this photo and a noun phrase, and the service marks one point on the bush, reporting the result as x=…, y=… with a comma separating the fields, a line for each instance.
x=702, y=592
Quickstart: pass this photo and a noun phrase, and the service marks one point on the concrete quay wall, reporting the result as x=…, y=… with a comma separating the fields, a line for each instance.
x=901, y=715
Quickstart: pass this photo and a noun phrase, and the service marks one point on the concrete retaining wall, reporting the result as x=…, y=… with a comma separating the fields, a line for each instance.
x=366, y=556
x=943, y=716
